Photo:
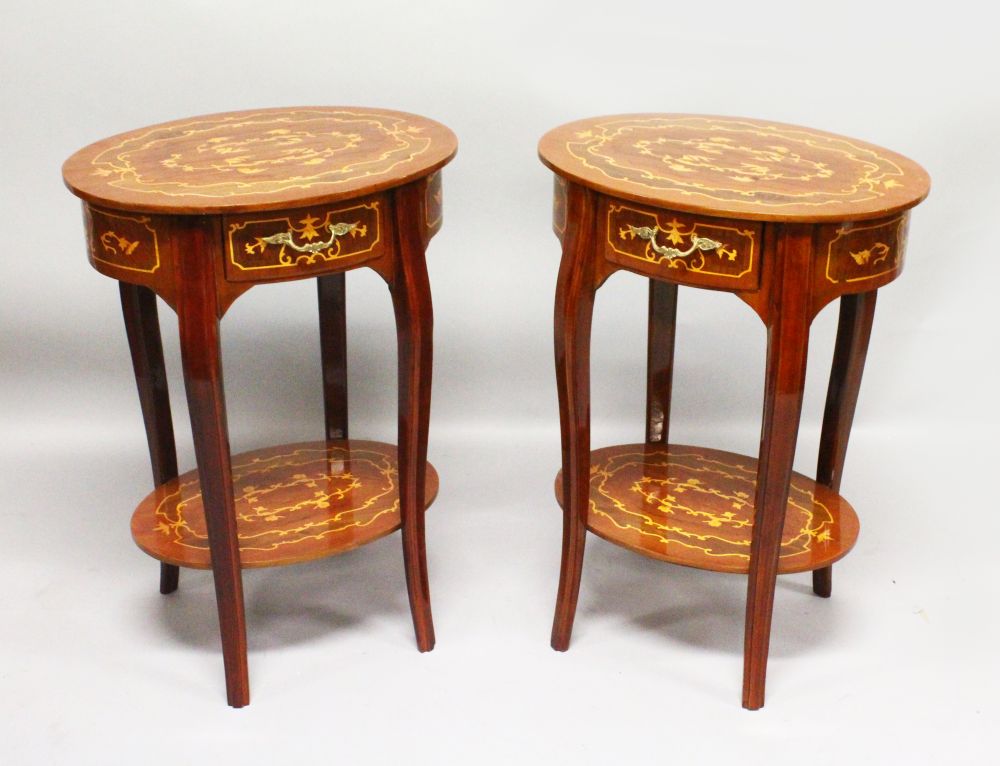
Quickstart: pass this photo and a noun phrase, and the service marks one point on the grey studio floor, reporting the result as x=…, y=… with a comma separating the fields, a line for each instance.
x=899, y=667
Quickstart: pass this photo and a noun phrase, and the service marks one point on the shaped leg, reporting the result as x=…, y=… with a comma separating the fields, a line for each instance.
x=411, y=299
x=660, y=359
x=143, y=330
x=333, y=349
x=787, y=345
x=201, y=353
x=853, y=333
x=573, y=314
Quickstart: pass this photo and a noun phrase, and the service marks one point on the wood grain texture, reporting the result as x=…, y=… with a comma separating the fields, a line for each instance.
x=854, y=329
x=293, y=503
x=142, y=327
x=410, y=288
x=730, y=166
x=574, y=309
x=262, y=159
x=694, y=506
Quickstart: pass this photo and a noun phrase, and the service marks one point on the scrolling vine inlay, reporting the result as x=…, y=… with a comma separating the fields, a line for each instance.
x=259, y=160
x=734, y=167
x=695, y=506
x=293, y=503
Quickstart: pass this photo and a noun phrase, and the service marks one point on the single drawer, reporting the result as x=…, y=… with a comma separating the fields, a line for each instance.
x=291, y=243
x=680, y=247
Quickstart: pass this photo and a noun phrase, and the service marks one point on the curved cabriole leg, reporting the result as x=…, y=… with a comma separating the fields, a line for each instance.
x=787, y=345
x=201, y=354
x=660, y=359
x=333, y=350
x=853, y=333
x=411, y=300
x=143, y=330
x=573, y=313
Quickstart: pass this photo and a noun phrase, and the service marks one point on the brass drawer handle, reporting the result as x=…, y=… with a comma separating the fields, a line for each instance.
x=697, y=243
x=285, y=238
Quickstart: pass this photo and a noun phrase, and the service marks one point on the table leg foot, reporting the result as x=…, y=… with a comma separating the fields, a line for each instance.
x=169, y=578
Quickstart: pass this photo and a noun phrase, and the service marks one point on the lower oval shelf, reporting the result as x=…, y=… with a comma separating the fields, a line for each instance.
x=294, y=503
x=695, y=507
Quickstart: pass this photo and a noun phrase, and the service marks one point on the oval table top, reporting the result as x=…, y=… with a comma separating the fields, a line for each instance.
x=262, y=159
x=734, y=167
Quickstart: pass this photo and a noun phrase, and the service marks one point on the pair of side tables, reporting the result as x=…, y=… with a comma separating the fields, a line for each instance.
x=788, y=219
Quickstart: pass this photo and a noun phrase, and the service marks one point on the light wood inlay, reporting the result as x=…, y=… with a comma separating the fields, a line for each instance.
x=296, y=502
x=695, y=506
x=730, y=166
x=259, y=160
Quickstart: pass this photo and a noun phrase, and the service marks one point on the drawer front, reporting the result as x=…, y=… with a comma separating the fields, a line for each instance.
x=862, y=256
x=123, y=245
x=679, y=247
x=303, y=242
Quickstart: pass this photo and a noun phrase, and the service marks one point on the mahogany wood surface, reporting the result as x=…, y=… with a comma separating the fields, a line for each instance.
x=857, y=312
x=333, y=352
x=784, y=384
x=694, y=506
x=660, y=359
x=574, y=311
x=734, y=166
x=261, y=159
x=143, y=329
x=788, y=219
x=293, y=503
x=411, y=300
x=198, y=211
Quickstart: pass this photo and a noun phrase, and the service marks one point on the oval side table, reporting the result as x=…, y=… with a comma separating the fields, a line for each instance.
x=198, y=211
x=786, y=218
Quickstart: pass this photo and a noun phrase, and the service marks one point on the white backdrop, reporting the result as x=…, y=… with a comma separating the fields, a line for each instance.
x=98, y=668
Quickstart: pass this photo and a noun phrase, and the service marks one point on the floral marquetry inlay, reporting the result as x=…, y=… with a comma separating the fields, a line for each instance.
x=293, y=503
x=693, y=251
x=259, y=159
x=263, y=243
x=733, y=166
x=695, y=506
x=124, y=242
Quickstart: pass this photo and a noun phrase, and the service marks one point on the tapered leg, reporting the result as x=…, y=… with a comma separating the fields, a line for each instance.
x=660, y=359
x=333, y=349
x=573, y=313
x=143, y=330
x=787, y=345
x=411, y=299
x=202, y=357
x=853, y=333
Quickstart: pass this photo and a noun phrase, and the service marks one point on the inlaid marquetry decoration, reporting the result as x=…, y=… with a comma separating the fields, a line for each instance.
x=695, y=506
x=702, y=247
x=294, y=503
x=734, y=166
x=559, y=201
x=258, y=160
x=433, y=203
x=274, y=243
x=866, y=253
x=125, y=242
